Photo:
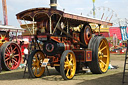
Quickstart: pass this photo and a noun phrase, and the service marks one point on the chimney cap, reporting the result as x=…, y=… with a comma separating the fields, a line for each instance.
x=53, y=4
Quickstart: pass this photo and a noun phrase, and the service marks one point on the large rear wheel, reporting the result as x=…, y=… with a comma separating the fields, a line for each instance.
x=100, y=55
x=68, y=65
x=11, y=56
x=35, y=61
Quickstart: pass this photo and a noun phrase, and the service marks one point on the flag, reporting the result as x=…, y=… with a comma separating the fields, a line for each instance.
x=123, y=32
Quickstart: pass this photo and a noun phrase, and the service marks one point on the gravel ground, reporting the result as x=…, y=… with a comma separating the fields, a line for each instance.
x=112, y=77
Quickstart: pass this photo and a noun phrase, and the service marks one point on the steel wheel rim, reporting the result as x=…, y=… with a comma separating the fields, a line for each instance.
x=12, y=56
x=36, y=64
x=70, y=65
x=103, y=55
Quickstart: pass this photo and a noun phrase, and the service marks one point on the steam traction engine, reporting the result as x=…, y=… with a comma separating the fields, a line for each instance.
x=10, y=53
x=67, y=42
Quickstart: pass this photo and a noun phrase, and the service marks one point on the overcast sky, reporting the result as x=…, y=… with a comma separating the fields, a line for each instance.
x=120, y=7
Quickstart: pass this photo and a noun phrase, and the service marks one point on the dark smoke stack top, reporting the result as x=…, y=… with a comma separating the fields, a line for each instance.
x=53, y=4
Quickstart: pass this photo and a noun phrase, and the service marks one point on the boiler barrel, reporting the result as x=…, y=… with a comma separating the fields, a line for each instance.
x=52, y=48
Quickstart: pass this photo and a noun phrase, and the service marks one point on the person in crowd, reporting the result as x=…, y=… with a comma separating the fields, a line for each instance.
x=11, y=35
x=25, y=54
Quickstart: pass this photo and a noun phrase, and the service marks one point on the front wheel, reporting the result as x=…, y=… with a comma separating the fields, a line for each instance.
x=35, y=61
x=68, y=65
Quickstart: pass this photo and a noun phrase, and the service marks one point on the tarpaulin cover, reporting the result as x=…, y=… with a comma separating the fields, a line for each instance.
x=115, y=30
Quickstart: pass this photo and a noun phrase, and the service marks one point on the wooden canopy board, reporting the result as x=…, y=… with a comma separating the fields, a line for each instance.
x=30, y=15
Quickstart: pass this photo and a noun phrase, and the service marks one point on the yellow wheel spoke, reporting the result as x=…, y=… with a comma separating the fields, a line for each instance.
x=35, y=71
x=67, y=72
x=33, y=68
x=34, y=64
x=67, y=58
x=101, y=44
x=103, y=48
x=101, y=65
x=65, y=66
x=71, y=58
x=40, y=58
x=34, y=61
x=39, y=69
x=105, y=56
x=102, y=62
x=66, y=63
x=100, y=57
x=71, y=69
x=36, y=58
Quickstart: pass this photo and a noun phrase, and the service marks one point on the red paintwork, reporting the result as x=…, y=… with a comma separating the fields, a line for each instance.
x=22, y=48
x=14, y=50
x=88, y=55
x=80, y=55
x=83, y=55
x=56, y=38
x=7, y=39
x=76, y=36
x=117, y=52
